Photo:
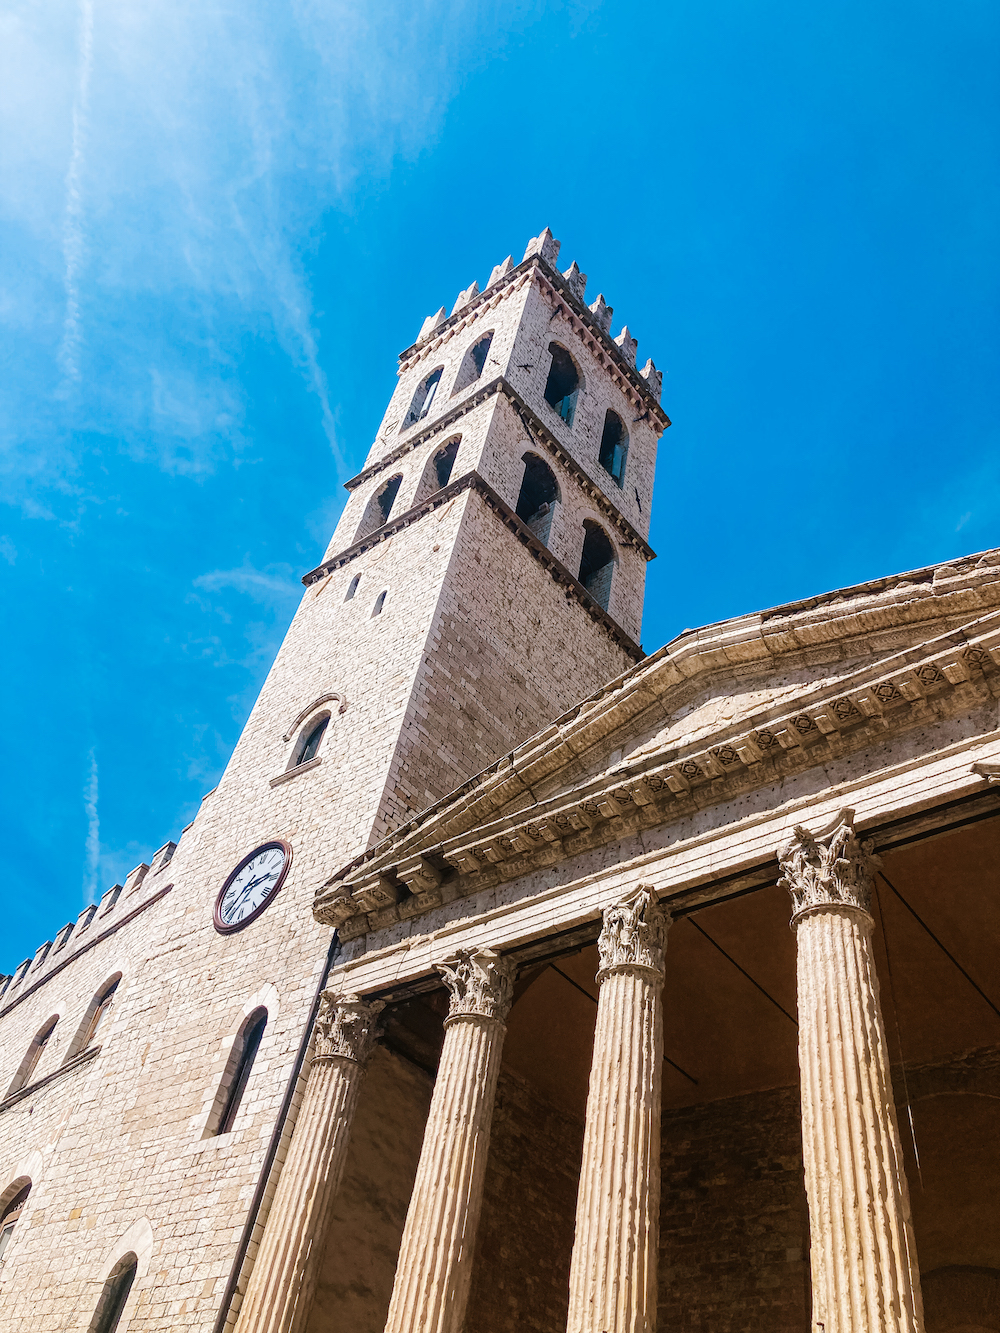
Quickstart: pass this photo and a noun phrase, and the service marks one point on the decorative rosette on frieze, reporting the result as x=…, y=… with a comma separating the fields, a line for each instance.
x=346, y=1027
x=829, y=869
x=481, y=984
x=634, y=936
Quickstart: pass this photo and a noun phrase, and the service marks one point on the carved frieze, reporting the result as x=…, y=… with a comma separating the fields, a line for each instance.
x=634, y=935
x=832, y=868
x=346, y=1027
x=481, y=984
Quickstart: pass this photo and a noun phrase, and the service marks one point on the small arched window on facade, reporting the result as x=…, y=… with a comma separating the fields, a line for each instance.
x=311, y=737
x=598, y=563
x=379, y=603
x=237, y=1073
x=473, y=363
x=352, y=587
x=379, y=507
x=111, y=1306
x=563, y=384
x=95, y=1017
x=539, y=493
x=614, y=447
x=32, y=1055
x=423, y=399
x=10, y=1215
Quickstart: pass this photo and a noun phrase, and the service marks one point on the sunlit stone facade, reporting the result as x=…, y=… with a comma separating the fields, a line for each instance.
x=589, y=990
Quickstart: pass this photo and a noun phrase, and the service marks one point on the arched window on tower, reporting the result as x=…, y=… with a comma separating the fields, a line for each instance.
x=379, y=507
x=237, y=1073
x=598, y=563
x=95, y=1017
x=379, y=603
x=423, y=399
x=614, y=447
x=10, y=1214
x=473, y=363
x=111, y=1306
x=352, y=587
x=539, y=493
x=32, y=1055
x=437, y=473
x=311, y=740
x=563, y=383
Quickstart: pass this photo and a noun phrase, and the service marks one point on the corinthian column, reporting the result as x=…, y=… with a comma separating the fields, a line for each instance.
x=435, y=1254
x=864, y=1267
x=284, y=1275
x=612, y=1283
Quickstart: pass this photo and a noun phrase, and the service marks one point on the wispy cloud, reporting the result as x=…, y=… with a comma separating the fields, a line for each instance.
x=73, y=233
x=261, y=585
x=92, y=849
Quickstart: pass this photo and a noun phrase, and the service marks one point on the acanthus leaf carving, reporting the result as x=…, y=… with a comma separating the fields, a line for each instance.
x=831, y=868
x=481, y=984
x=634, y=934
x=346, y=1027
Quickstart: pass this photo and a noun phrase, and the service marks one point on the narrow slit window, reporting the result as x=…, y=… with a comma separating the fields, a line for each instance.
x=379, y=603
x=352, y=587
x=563, y=384
x=311, y=743
x=241, y=1063
x=614, y=447
x=111, y=1306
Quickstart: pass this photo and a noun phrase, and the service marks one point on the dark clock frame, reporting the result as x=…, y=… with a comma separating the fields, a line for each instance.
x=221, y=926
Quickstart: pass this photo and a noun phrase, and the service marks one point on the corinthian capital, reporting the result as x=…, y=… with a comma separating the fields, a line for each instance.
x=481, y=984
x=346, y=1026
x=831, y=868
x=634, y=935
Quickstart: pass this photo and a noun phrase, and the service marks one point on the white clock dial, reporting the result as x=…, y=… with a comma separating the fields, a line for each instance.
x=251, y=886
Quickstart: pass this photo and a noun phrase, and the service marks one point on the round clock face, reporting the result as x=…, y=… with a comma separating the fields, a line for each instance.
x=251, y=886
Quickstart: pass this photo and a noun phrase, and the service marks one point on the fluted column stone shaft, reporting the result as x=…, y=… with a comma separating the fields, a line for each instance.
x=863, y=1259
x=612, y=1286
x=283, y=1281
x=434, y=1269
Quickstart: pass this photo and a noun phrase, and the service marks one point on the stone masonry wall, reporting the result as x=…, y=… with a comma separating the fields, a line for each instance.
x=733, y=1224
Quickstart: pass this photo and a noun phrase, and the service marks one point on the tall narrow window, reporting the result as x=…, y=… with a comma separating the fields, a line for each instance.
x=537, y=497
x=97, y=1013
x=597, y=564
x=379, y=603
x=473, y=363
x=423, y=399
x=379, y=507
x=614, y=447
x=238, y=1069
x=32, y=1055
x=352, y=587
x=312, y=740
x=111, y=1306
x=10, y=1216
x=563, y=383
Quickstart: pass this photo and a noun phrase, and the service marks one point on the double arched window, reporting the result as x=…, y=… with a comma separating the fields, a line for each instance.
x=423, y=399
x=538, y=495
x=563, y=384
x=597, y=563
x=614, y=447
x=237, y=1073
x=473, y=363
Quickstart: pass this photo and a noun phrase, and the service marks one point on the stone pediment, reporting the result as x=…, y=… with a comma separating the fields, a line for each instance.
x=720, y=710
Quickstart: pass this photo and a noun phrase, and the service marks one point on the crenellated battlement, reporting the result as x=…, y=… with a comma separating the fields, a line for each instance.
x=543, y=250
x=117, y=905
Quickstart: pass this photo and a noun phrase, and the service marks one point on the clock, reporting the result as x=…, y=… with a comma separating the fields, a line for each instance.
x=252, y=886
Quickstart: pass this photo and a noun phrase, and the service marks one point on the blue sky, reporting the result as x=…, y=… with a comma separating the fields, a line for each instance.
x=219, y=225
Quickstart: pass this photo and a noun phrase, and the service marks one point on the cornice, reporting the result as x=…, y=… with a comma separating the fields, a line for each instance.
x=457, y=848
x=535, y=428
x=539, y=267
x=540, y=552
